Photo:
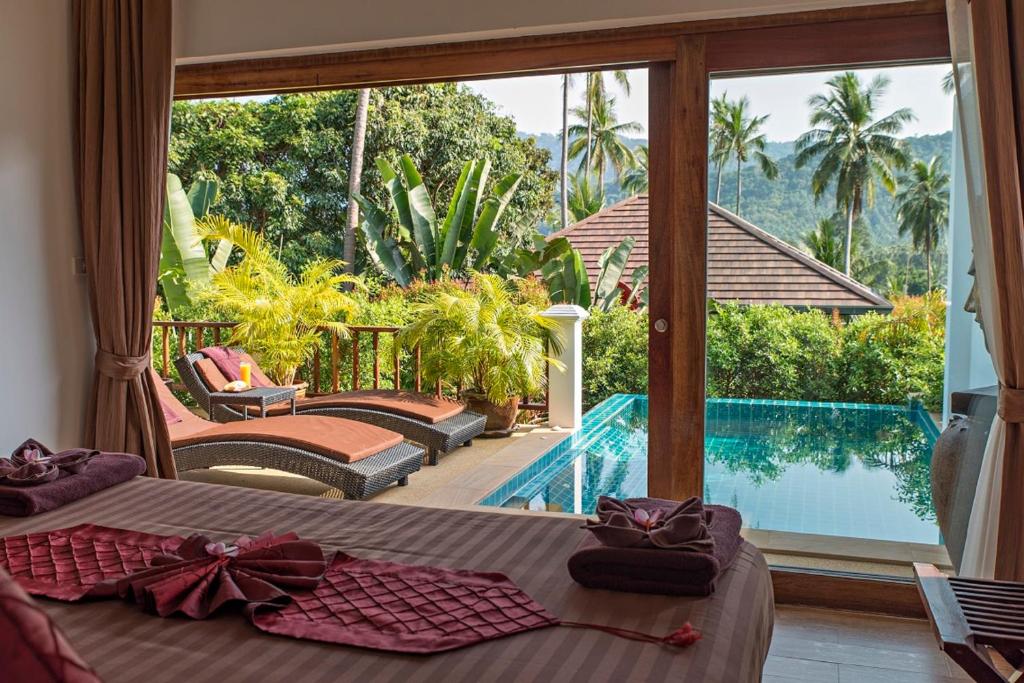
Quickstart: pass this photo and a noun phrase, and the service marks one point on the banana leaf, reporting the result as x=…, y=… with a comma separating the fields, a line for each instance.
x=636, y=283
x=566, y=279
x=421, y=214
x=400, y=202
x=201, y=196
x=191, y=260
x=612, y=263
x=383, y=251
x=456, y=212
x=485, y=236
x=582, y=279
x=477, y=182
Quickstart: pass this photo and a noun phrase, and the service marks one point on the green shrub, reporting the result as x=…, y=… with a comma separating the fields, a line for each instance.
x=770, y=352
x=614, y=354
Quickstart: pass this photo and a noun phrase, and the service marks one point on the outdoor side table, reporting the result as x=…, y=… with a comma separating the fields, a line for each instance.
x=256, y=397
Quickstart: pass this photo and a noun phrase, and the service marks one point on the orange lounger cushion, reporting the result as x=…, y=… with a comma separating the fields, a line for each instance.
x=422, y=407
x=344, y=440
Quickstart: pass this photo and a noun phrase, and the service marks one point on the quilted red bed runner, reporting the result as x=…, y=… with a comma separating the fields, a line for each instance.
x=286, y=586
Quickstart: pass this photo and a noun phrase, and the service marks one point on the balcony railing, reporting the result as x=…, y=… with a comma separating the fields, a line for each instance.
x=336, y=365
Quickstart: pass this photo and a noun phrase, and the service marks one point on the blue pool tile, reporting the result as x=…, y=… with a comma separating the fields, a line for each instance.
x=845, y=469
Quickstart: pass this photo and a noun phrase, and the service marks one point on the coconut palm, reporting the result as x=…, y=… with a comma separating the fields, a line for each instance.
x=585, y=197
x=564, y=166
x=355, y=173
x=604, y=143
x=596, y=92
x=744, y=141
x=718, y=139
x=922, y=207
x=635, y=179
x=825, y=243
x=853, y=149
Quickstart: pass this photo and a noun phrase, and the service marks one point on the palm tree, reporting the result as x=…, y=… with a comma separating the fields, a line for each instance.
x=718, y=138
x=585, y=199
x=596, y=92
x=744, y=141
x=564, y=169
x=826, y=243
x=922, y=207
x=635, y=179
x=603, y=144
x=355, y=172
x=853, y=149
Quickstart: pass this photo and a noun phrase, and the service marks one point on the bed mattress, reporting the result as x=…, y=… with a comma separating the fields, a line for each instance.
x=124, y=644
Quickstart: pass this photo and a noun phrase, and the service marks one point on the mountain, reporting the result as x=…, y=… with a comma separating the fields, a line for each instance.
x=786, y=207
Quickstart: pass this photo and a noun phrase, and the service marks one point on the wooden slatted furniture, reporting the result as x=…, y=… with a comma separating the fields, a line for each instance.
x=972, y=618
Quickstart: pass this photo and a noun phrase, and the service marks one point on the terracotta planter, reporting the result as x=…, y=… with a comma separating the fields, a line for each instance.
x=500, y=419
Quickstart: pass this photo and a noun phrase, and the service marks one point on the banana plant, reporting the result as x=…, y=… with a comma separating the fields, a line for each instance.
x=411, y=242
x=567, y=280
x=184, y=263
x=612, y=264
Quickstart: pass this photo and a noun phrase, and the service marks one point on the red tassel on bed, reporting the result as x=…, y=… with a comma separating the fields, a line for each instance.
x=683, y=636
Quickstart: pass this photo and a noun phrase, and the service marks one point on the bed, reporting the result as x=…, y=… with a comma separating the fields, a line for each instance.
x=126, y=645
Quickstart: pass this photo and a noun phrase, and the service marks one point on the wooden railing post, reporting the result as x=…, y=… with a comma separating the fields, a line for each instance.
x=165, y=348
x=418, y=379
x=355, y=361
x=334, y=362
x=398, y=367
x=314, y=381
x=376, y=359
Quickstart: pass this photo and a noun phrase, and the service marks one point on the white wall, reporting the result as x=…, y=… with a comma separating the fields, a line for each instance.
x=225, y=29
x=45, y=338
x=968, y=363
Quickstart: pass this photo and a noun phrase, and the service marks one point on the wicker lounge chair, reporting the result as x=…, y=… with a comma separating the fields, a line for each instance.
x=307, y=445
x=377, y=407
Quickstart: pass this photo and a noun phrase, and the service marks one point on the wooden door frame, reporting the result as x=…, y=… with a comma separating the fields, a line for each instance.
x=681, y=57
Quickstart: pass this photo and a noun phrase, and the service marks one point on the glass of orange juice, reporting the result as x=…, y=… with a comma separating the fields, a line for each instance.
x=245, y=373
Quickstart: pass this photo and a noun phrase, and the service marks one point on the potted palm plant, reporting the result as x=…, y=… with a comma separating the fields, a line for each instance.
x=280, y=315
x=487, y=335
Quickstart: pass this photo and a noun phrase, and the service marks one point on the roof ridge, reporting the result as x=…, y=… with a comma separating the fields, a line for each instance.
x=828, y=271
x=606, y=210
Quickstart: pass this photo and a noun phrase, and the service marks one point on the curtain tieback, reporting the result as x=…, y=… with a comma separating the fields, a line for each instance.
x=1010, y=405
x=121, y=368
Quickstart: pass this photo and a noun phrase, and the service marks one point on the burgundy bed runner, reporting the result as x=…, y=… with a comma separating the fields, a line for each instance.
x=284, y=585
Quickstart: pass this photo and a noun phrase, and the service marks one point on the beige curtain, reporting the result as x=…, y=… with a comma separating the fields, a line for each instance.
x=125, y=71
x=987, y=41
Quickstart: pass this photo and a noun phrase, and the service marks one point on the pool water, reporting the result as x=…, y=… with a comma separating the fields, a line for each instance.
x=840, y=469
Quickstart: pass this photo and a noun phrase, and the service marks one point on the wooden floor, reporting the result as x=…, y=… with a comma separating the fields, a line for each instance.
x=850, y=647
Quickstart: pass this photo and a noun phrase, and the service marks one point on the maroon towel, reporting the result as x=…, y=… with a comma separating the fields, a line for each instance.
x=104, y=470
x=658, y=570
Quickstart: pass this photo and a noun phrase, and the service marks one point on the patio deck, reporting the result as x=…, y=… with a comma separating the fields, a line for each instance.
x=460, y=479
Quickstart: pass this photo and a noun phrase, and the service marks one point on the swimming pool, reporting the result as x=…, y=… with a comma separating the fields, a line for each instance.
x=839, y=469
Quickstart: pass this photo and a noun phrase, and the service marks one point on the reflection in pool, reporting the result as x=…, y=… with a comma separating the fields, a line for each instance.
x=838, y=469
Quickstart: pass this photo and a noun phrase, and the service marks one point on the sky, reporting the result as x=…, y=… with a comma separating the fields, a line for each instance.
x=535, y=101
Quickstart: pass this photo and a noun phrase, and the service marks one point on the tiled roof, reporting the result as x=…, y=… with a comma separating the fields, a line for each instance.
x=745, y=263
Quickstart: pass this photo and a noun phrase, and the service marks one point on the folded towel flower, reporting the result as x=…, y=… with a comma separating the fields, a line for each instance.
x=640, y=523
x=32, y=463
x=202, y=576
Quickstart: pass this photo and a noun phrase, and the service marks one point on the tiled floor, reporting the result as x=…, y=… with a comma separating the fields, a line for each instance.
x=826, y=646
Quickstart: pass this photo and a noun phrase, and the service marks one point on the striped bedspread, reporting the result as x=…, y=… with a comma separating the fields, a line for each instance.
x=126, y=645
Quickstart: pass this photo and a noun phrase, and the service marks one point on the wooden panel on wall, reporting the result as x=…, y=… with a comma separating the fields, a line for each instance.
x=678, y=261
x=857, y=592
x=894, y=31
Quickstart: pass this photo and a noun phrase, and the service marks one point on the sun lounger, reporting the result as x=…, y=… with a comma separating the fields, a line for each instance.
x=440, y=424
x=355, y=457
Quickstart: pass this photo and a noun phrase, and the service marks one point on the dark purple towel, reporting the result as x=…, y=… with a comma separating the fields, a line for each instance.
x=105, y=470
x=657, y=570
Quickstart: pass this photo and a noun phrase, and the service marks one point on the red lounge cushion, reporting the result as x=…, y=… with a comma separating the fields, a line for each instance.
x=32, y=648
x=344, y=440
x=210, y=374
x=422, y=407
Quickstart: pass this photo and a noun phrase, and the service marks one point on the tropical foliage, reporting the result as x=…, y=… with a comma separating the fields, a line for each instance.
x=825, y=243
x=586, y=197
x=854, y=149
x=185, y=265
x=776, y=352
x=735, y=134
x=413, y=243
x=923, y=207
x=279, y=314
x=283, y=165
x=597, y=141
x=487, y=336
